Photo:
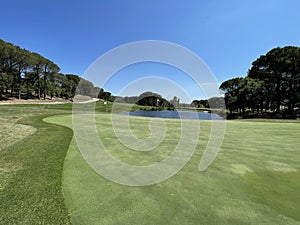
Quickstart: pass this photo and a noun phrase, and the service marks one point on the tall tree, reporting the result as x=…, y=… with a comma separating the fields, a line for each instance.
x=10, y=63
x=38, y=62
x=231, y=90
x=23, y=62
x=279, y=69
x=69, y=85
x=49, y=68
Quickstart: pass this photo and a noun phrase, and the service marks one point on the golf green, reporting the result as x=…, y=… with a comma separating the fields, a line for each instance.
x=255, y=178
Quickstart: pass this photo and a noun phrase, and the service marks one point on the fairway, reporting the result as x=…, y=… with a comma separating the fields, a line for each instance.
x=254, y=180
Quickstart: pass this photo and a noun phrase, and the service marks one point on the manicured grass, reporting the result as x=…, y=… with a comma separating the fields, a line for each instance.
x=31, y=168
x=254, y=180
x=44, y=179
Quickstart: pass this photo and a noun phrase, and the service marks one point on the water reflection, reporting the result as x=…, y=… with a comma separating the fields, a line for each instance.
x=176, y=114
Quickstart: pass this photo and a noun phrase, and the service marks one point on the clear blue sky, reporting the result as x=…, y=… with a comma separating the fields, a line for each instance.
x=227, y=34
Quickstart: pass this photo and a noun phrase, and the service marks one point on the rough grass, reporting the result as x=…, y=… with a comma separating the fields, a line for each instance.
x=31, y=169
x=254, y=180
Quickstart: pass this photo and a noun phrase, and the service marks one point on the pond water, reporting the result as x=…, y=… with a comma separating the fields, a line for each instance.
x=176, y=114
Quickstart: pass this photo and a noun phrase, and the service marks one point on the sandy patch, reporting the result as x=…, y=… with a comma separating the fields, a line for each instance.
x=11, y=132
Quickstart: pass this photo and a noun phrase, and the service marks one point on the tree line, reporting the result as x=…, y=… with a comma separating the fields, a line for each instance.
x=214, y=102
x=147, y=98
x=271, y=87
x=26, y=74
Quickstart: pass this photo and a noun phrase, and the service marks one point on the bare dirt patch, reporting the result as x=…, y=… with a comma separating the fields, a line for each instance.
x=34, y=101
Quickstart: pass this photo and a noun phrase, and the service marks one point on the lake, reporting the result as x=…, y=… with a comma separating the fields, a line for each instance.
x=176, y=114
